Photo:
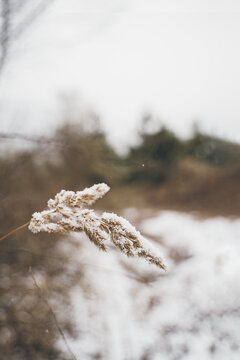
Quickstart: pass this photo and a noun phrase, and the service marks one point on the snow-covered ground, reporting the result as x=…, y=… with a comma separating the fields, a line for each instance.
x=127, y=309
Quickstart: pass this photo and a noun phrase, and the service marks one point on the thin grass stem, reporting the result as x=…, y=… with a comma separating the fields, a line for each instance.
x=15, y=230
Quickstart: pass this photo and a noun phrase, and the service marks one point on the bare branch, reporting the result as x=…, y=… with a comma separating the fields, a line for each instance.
x=43, y=298
x=30, y=18
x=9, y=32
x=5, y=32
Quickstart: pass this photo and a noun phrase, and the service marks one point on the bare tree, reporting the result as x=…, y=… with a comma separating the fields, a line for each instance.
x=4, y=38
x=16, y=16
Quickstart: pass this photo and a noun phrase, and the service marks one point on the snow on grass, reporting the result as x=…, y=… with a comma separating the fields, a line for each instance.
x=127, y=309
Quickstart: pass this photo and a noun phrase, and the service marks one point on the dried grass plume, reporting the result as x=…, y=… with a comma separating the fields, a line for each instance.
x=68, y=212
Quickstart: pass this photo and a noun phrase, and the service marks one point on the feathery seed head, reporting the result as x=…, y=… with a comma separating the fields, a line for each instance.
x=67, y=212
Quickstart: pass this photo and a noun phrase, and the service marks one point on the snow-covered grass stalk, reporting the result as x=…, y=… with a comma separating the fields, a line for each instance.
x=68, y=212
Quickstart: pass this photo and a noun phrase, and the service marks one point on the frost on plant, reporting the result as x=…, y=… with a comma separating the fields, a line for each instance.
x=68, y=212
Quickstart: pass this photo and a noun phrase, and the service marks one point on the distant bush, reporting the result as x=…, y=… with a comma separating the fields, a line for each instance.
x=158, y=153
x=213, y=150
x=151, y=161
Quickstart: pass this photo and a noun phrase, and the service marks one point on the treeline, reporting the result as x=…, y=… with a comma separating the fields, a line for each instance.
x=149, y=163
x=78, y=156
x=87, y=157
x=161, y=151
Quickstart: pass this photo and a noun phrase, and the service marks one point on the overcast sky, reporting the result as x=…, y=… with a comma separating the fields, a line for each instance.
x=178, y=59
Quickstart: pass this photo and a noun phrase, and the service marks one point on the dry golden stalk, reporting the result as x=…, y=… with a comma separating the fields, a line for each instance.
x=15, y=230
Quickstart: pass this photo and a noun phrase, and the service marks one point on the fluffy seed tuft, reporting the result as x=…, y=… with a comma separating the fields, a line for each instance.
x=67, y=213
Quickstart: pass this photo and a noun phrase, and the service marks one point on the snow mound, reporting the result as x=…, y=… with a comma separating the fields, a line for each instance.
x=127, y=309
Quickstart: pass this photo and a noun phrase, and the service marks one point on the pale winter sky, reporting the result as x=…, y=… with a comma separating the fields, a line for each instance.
x=178, y=59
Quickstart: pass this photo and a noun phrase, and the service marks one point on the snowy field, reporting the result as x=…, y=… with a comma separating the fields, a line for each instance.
x=127, y=309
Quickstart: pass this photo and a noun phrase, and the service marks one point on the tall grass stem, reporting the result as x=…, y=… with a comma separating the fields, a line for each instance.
x=15, y=230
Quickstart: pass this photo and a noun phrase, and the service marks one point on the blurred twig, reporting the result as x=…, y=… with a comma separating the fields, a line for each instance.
x=34, y=139
x=5, y=29
x=41, y=140
x=41, y=296
x=31, y=17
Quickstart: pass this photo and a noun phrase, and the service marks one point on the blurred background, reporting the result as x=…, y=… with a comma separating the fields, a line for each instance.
x=144, y=96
